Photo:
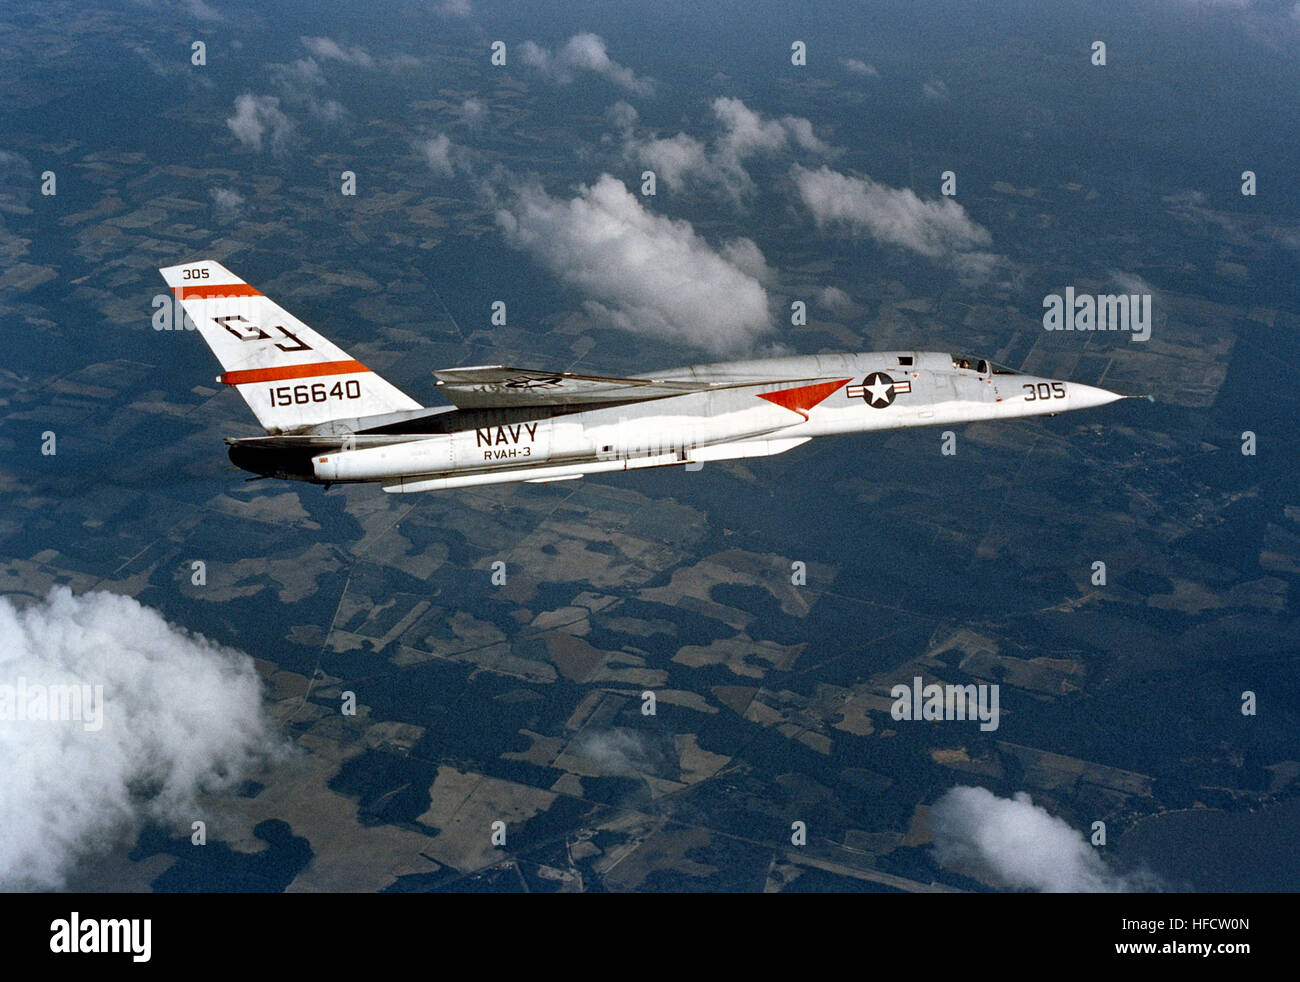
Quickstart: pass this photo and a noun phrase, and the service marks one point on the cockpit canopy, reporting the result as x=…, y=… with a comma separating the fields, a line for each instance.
x=982, y=366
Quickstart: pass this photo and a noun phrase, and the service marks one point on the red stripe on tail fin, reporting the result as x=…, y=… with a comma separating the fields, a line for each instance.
x=209, y=290
x=292, y=371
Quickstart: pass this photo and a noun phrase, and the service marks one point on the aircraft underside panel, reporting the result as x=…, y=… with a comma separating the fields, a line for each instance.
x=564, y=472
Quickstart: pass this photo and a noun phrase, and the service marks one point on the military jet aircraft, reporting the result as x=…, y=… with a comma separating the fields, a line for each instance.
x=330, y=419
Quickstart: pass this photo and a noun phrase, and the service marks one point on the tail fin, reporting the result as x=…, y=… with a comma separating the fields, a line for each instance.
x=289, y=375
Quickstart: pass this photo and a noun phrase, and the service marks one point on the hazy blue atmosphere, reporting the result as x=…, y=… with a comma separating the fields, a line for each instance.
x=1161, y=701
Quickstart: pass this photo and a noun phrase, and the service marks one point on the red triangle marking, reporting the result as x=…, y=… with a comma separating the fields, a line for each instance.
x=804, y=397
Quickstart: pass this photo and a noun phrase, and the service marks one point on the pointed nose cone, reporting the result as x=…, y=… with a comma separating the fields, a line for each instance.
x=1088, y=396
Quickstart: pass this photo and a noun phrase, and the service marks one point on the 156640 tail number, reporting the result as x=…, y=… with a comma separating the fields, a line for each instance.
x=289, y=395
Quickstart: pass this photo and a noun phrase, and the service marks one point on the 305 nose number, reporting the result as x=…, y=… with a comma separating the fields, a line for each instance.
x=1043, y=390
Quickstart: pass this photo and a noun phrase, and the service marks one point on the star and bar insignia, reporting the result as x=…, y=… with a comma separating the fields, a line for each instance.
x=878, y=390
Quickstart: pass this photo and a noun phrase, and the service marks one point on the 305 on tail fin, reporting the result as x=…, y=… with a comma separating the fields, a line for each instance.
x=290, y=376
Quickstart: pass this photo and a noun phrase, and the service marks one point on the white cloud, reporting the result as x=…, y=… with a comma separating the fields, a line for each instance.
x=1233, y=227
x=259, y=116
x=535, y=56
x=623, y=115
x=859, y=67
x=742, y=133
x=454, y=8
x=939, y=230
x=297, y=83
x=327, y=49
x=588, y=51
x=171, y=68
x=203, y=11
x=675, y=160
x=834, y=299
x=800, y=131
x=1269, y=22
x=14, y=165
x=1132, y=283
x=935, y=90
x=293, y=77
x=437, y=152
x=642, y=272
x=226, y=202
x=181, y=716
x=745, y=132
x=1015, y=844
x=617, y=752
x=746, y=256
x=583, y=52
x=327, y=110
x=473, y=112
